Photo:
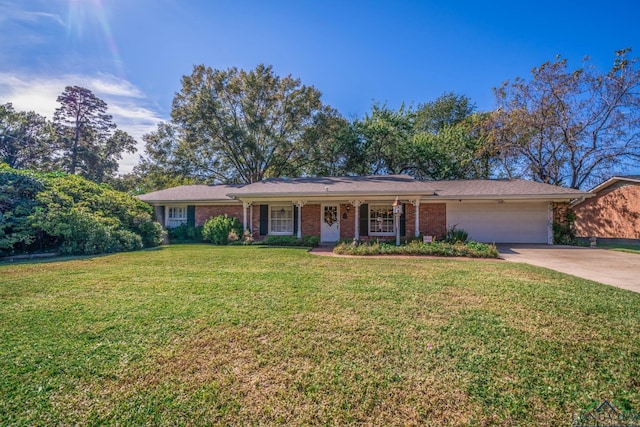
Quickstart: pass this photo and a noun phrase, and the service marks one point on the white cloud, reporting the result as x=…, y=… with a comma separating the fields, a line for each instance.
x=125, y=102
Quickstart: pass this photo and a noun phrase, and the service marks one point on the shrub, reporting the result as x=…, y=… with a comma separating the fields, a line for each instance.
x=185, y=234
x=456, y=235
x=469, y=249
x=55, y=211
x=217, y=229
x=564, y=232
x=308, y=241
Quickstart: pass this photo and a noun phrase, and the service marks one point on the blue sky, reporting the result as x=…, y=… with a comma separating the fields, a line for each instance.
x=133, y=53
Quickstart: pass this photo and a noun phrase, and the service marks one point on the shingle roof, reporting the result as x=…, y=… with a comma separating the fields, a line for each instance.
x=190, y=193
x=344, y=185
x=361, y=186
x=500, y=187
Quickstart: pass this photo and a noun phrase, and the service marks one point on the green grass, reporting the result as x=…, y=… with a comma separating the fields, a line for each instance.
x=629, y=248
x=198, y=335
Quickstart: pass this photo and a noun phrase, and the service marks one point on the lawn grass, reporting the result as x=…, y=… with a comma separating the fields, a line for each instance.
x=620, y=247
x=197, y=334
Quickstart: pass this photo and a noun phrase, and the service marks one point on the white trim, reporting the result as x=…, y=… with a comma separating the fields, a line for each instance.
x=381, y=233
x=281, y=206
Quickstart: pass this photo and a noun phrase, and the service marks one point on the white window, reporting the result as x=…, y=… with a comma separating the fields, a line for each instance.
x=381, y=220
x=281, y=219
x=176, y=216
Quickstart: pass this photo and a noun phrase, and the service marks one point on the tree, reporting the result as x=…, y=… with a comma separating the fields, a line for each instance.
x=385, y=137
x=448, y=109
x=244, y=126
x=88, y=139
x=26, y=140
x=570, y=128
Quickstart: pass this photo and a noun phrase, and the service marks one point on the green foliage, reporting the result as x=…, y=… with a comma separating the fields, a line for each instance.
x=414, y=247
x=218, y=229
x=564, y=232
x=26, y=140
x=185, y=234
x=307, y=241
x=17, y=202
x=70, y=214
x=456, y=235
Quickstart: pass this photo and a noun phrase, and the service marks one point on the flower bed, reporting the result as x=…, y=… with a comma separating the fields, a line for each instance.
x=469, y=249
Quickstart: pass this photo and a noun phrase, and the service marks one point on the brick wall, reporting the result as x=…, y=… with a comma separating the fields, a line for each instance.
x=311, y=220
x=203, y=213
x=433, y=219
x=613, y=213
x=347, y=221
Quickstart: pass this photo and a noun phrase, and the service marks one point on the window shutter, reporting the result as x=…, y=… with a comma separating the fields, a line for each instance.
x=191, y=216
x=403, y=221
x=364, y=220
x=264, y=220
x=295, y=219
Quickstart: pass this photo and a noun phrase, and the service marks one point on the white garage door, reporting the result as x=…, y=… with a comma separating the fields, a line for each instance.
x=508, y=222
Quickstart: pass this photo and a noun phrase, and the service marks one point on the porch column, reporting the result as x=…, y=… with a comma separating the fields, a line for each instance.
x=356, y=204
x=416, y=204
x=251, y=218
x=165, y=216
x=299, y=204
x=550, y=223
x=245, y=205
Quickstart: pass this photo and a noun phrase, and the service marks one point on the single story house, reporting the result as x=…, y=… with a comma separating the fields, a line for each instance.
x=360, y=207
x=614, y=211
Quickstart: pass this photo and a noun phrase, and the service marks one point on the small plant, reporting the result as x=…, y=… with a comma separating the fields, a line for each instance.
x=310, y=241
x=456, y=235
x=564, y=232
x=218, y=229
x=247, y=237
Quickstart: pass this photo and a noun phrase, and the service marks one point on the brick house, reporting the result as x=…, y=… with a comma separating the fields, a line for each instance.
x=360, y=207
x=614, y=211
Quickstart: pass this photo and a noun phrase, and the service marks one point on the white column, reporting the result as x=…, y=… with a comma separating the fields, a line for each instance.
x=299, y=204
x=245, y=205
x=416, y=204
x=251, y=218
x=550, y=223
x=356, y=204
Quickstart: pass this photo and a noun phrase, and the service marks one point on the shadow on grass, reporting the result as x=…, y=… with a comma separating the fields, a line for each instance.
x=46, y=258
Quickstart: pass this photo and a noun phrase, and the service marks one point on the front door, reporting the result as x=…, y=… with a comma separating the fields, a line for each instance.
x=330, y=224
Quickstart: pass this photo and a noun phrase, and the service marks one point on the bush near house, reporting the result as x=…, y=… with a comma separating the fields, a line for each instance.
x=414, y=247
x=221, y=229
x=69, y=214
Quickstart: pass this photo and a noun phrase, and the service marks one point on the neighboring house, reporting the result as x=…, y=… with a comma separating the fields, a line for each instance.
x=335, y=208
x=614, y=211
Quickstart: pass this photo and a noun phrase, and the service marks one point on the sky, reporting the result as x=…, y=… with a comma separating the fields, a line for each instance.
x=133, y=53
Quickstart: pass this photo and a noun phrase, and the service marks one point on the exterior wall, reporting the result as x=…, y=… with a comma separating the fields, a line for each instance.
x=347, y=221
x=311, y=220
x=433, y=219
x=612, y=213
x=203, y=213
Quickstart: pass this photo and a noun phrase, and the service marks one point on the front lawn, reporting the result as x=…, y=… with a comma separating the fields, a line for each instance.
x=199, y=334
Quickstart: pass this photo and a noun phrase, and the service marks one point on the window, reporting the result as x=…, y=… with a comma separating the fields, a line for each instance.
x=176, y=216
x=281, y=219
x=381, y=220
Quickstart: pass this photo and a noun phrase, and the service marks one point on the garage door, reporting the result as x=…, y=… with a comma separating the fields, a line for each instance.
x=515, y=222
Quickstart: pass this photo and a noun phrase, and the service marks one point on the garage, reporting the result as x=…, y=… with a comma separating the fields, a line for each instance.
x=501, y=222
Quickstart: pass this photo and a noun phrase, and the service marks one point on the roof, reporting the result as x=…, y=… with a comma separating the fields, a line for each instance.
x=635, y=179
x=376, y=186
x=190, y=193
x=335, y=186
x=501, y=188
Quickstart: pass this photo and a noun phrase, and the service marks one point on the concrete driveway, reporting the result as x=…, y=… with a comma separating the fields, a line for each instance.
x=609, y=267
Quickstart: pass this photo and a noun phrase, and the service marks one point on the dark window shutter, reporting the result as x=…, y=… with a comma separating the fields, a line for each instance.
x=403, y=221
x=191, y=216
x=264, y=220
x=295, y=219
x=364, y=220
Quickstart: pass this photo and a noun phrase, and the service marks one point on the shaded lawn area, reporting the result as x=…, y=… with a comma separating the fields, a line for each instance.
x=621, y=247
x=197, y=334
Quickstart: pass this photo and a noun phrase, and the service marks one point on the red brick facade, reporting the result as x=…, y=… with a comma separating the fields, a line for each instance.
x=433, y=221
x=613, y=213
x=203, y=213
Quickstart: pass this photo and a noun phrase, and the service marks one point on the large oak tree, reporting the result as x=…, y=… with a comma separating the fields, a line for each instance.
x=241, y=126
